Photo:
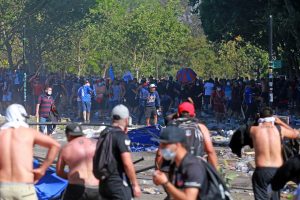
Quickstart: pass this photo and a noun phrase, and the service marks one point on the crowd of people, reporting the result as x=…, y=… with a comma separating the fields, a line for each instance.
x=102, y=167
x=237, y=99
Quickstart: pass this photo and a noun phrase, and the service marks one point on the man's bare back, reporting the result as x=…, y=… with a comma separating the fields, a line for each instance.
x=267, y=143
x=16, y=154
x=78, y=155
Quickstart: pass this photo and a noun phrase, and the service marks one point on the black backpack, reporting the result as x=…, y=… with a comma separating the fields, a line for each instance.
x=290, y=147
x=194, y=137
x=104, y=163
x=216, y=188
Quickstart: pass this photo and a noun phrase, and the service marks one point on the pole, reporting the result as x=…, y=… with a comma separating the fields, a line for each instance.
x=270, y=60
x=24, y=64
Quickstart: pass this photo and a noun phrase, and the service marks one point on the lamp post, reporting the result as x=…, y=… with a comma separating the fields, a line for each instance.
x=270, y=60
x=24, y=64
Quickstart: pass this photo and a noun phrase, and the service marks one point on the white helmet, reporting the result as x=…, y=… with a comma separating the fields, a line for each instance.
x=15, y=113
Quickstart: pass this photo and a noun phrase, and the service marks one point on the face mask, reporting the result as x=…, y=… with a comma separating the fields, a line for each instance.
x=168, y=154
x=49, y=93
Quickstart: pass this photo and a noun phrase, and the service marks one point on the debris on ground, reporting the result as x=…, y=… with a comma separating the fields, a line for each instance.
x=151, y=190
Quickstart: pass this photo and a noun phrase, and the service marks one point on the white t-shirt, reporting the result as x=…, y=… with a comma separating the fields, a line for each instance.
x=208, y=88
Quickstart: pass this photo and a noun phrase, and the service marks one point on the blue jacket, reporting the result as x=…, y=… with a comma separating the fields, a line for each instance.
x=84, y=93
x=143, y=94
x=153, y=99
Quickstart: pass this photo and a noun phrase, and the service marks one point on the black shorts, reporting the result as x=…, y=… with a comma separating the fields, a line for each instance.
x=150, y=111
x=261, y=181
x=81, y=192
x=113, y=188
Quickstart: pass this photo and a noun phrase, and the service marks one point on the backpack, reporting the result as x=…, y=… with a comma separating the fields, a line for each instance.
x=216, y=188
x=290, y=147
x=194, y=137
x=80, y=92
x=104, y=163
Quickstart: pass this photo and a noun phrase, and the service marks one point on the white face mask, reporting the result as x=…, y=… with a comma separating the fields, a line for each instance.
x=49, y=93
x=168, y=154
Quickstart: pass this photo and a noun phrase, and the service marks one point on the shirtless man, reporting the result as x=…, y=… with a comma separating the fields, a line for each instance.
x=17, y=140
x=78, y=155
x=268, y=152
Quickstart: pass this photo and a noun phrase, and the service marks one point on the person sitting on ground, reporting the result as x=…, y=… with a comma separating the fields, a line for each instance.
x=17, y=176
x=78, y=156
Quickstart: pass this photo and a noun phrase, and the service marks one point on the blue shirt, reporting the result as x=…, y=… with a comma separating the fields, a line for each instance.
x=248, y=96
x=153, y=99
x=85, y=92
x=143, y=96
x=228, y=92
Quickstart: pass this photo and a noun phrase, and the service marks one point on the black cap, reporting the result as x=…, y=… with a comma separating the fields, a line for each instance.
x=74, y=129
x=171, y=134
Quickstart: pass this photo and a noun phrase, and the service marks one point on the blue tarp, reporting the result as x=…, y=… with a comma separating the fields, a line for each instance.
x=141, y=138
x=51, y=187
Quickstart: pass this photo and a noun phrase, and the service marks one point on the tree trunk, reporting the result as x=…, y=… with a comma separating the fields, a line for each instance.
x=78, y=58
x=9, y=54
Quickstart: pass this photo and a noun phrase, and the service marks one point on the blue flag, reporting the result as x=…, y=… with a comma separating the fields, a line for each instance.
x=111, y=73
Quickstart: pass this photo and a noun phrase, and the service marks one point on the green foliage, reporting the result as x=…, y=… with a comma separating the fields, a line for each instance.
x=223, y=20
x=146, y=37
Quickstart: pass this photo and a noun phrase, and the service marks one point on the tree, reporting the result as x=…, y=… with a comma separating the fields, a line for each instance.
x=226, y=19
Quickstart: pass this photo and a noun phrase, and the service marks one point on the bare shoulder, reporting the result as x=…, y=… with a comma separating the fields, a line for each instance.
x=203, y=127
x=253, y=128
x=82, y=141
x=27, y=132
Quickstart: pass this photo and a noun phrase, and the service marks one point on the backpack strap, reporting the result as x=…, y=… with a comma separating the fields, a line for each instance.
x=285, y=157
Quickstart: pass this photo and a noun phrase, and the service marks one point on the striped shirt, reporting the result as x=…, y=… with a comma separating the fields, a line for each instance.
x=45, y=105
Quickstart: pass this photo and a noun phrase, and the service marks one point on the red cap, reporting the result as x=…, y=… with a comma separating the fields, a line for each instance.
x=187, y=107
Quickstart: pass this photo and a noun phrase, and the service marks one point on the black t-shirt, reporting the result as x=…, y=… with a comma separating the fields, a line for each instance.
x=129, y=91
x=120, y=144
x=190, y=174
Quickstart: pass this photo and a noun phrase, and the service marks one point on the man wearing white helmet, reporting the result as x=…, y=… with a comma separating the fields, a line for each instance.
x=152, y=104
x=17, y=140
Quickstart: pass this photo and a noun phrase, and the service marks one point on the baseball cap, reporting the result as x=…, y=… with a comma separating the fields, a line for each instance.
x=74, y=129
x=187, y=107
x=171, y=134
x=120, y=112
x=152, y=85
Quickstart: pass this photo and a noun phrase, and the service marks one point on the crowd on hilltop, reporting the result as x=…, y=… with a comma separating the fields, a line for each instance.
x=227, y=98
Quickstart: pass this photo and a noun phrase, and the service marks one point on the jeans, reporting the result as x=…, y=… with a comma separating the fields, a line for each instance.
x=141, y=113
x=113, y=103
x=50, y=128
